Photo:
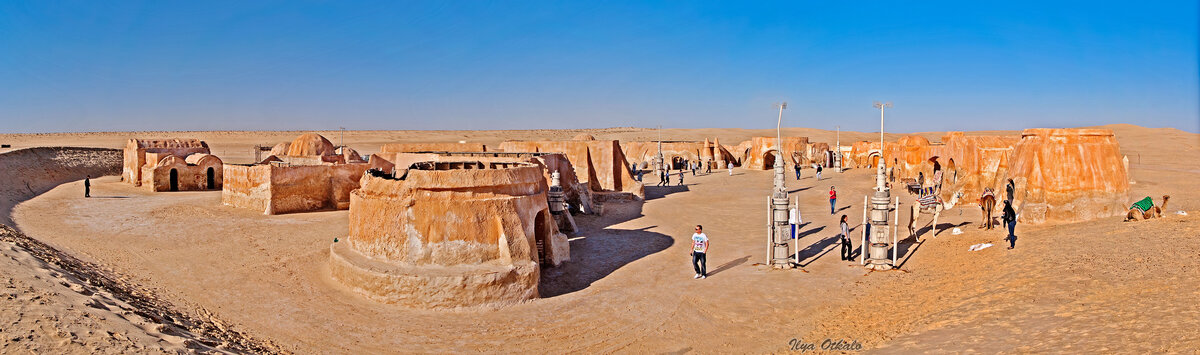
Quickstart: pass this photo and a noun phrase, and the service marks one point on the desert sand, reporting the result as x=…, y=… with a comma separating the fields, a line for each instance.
x=1095, y=286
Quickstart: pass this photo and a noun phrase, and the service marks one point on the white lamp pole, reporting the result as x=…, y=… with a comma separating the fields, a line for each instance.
x=881, y=106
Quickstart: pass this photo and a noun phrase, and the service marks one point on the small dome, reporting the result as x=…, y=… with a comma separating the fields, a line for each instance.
x=280, y=149
x=350, y=155
x=311, y=144
x=913, y=141
x=584, y=137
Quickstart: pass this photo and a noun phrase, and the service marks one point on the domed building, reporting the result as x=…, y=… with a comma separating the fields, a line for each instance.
x=171, y=165
x=311, y=144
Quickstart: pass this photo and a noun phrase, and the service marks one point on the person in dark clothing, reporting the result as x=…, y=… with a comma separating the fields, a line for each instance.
x=1009, y=190
x=797, y=171
x=87, y=186
x=847, y=247
x=1010, y=219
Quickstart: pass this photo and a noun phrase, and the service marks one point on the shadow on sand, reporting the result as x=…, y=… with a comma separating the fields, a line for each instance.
x=598, y=251
x=657, y=192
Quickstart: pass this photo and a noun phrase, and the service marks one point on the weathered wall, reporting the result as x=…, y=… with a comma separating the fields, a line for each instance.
x=344, y=178
x=573, y=190
x=432, y=147
x=247, y=186
x=25, y=173
x=601, y=163
x=447, y=238
x=1068, y=175
x=277, y=189
x=971, y=163
x=192, y=173
x=300, y=188
x=755, y=153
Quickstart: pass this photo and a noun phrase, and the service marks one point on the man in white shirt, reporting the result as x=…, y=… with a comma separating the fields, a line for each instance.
x=699, y=250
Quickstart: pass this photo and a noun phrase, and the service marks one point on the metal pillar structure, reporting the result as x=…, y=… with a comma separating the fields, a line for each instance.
x=881, y=230
x=658, y=159
x=780, y=231
x=558, y=205
x=837, y=152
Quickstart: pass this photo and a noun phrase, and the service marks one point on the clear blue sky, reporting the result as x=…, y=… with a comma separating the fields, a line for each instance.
x=210, y=65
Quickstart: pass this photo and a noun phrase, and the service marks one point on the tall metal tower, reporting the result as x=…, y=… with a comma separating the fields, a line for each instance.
x=778, y=232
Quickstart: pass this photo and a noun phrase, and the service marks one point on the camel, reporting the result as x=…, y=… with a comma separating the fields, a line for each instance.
x=1152, y=212
x=988, y=204
x=934, y=209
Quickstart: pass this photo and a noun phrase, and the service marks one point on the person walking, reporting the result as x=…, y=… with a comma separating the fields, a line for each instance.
x=818, y=172
x=708, y=167
x=699, y=252
x=694, y=167
x=797, y=172
x=793, y=219
x=847, y=247
x=1010, y=219
x=832, y=200
x=680, y=177
x=87, y=186
x=730, y=168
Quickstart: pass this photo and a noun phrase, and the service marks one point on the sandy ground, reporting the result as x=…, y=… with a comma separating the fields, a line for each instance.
x=1093, y=286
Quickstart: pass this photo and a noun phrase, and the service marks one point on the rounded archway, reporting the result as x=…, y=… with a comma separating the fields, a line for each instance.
x=873, y=160
x=769, y=160
x=174, y=180
x=541, y=233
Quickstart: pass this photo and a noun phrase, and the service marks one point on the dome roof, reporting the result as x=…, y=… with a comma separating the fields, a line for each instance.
x=584, y=137
x=311, y=144
x=913, y=141
x=280, y=149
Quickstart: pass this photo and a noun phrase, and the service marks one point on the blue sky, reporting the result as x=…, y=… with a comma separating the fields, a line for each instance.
x=256, y=65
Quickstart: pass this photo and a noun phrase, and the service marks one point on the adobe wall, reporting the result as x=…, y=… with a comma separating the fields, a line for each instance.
x=344, y=178
x=754, y=154
x=1069, y=175
x=448, y=238
x=247, y=186
x=432, y=147
x=573, y=190
x=642, y=154
x=601, y=164
x=190, y=177
x=300, y=188
x=979, y=161
x=278, y=189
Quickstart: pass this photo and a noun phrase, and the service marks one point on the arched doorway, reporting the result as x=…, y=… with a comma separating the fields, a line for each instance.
x=541, y=233
x=951, y=171
x=174, y=180
x=678, y=163
x=873, y=161
x=212, y=179
x=769, y=160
